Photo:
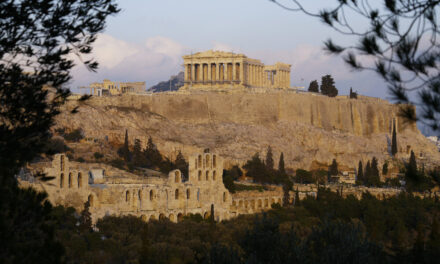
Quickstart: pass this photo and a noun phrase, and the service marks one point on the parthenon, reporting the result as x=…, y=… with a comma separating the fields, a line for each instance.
x=226, y=70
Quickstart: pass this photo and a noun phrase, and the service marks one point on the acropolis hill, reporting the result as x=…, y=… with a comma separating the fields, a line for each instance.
x=310, y=129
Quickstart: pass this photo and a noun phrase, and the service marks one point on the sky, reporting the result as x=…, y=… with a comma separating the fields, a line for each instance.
x=147, y=39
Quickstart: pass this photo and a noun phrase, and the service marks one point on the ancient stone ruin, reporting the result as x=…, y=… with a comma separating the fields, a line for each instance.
x=218, y=70
x=155, y=196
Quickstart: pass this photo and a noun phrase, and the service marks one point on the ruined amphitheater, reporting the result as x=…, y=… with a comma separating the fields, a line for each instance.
x=154, y=196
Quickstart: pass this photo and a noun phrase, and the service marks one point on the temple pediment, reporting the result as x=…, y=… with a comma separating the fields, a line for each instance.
x=214, y=54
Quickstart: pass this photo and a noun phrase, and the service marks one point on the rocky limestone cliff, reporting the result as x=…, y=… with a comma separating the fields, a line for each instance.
x=310, y=129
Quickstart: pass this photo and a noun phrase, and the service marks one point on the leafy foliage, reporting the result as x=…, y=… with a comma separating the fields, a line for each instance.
x=314, y=86
x=353, y=95
x=333, y=169
x=98, y=155
x=74, y=136
x=261, y=173
x=37, y=41
x=330, y=229
x=231, y=175
x=328, y=86
x=304, y=176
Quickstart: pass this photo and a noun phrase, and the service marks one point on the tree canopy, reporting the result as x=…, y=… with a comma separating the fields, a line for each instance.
x=328, y=86
x=314, y=86
x=38, y=41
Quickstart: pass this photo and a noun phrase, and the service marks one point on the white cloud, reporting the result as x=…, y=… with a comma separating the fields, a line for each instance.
x=152, y=61
x=223, y=47
x=110, y=51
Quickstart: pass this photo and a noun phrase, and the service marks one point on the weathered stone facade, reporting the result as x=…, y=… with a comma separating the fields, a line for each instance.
x=157, y=196
x=218, y=70
x=114, y=192
x=108, y=87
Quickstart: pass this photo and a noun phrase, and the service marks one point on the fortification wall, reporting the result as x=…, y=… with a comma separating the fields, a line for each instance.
x=309, y=128
x=364, y=116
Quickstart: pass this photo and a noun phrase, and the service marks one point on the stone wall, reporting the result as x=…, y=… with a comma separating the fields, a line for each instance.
x=307, y=127
x=113, y=192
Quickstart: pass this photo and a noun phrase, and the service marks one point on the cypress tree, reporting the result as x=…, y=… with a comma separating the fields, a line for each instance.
x=385, y=168
x=297, y=200
x=124, y=151
x=333, y=170
x=367, y=175
x=411, y=174
x=281, y=169
x=375, y=177
x=269, y=159
x=85, y=219
x=152, y=154
x=353, y=95
x=287, y=186
x=138, y=158
x=360, y=175
x=394, y=140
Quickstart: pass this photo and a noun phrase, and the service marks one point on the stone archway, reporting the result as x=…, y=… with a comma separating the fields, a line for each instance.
x=180, y=217
x=62, y=180
x=206, y=215
x=79, y=180
x=70, y=180
x=91, y=200
x=162, y=217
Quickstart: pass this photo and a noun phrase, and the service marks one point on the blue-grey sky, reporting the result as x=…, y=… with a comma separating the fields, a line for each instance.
x=146, y=40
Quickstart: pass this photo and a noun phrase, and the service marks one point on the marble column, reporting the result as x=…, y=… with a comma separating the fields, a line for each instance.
x=234, y=77
x=284, y=79
x=209, y=72
x=217, y=72
x=252, y=75
x=241, y=73
x=260, y=75
x=193, y=72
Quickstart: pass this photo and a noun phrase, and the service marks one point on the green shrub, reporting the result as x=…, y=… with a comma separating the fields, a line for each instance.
x=304, y=176
x=74, y=136
x=98, y=155
x=117, y=163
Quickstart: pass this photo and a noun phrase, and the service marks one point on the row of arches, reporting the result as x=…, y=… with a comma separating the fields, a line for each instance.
x=70, y=180
x=206, y=176
x=153, y=195
x=205, y=162
x=256, y=204
x=173, y=217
